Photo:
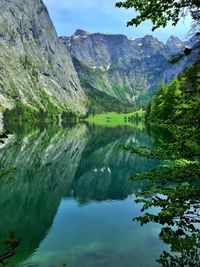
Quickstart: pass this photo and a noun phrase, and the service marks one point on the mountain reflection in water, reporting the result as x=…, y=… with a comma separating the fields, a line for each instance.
x=68, y=199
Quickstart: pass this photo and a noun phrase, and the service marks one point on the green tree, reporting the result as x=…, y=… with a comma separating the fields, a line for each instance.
x=160, y=12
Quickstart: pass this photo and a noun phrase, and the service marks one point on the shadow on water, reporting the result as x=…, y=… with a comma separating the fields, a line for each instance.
x=81, y=163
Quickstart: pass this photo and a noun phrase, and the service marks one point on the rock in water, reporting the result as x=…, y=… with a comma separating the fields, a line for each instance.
x=34, y=66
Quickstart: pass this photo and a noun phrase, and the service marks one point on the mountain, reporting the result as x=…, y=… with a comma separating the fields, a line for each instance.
x=35, y=67
x=174, y=44
x=127, y=69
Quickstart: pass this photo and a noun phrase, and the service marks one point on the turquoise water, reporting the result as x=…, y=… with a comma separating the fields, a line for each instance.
x=70, y=201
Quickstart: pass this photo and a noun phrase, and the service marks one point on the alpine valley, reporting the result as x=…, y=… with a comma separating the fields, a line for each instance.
x=99, y=138
x=128, y=70
x=108, y=73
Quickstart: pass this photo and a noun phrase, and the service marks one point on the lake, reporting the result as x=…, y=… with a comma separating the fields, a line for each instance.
x=70, y=200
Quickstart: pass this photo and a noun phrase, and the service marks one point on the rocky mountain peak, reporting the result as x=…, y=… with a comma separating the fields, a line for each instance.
x=80, y=33
x=193, y=42
x=150, y=38
x=153, y=41
x=148, y=45
x=174, y=44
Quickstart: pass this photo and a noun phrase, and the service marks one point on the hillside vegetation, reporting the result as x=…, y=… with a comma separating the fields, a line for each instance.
x=179, y=101
x=99, y=101
x=174, y=186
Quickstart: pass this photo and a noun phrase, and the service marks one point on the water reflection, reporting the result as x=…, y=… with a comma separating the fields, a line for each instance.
x=104, y=167
x=45, y=164
x=50, y=200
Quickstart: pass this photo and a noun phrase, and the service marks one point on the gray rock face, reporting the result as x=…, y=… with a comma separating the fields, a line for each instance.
x=34, y=65
x=126, y=68
x=174, y=44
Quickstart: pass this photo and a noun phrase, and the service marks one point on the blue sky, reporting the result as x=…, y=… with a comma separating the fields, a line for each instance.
x=102, y=16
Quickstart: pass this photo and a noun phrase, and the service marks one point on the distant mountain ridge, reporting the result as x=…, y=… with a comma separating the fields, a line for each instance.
x=124, y=68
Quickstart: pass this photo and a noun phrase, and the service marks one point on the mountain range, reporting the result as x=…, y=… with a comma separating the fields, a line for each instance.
x=124, y=68
x=75, y=73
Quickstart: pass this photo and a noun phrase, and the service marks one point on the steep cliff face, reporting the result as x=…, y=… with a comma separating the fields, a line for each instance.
x=174, y=44
x=125, y=68
x=34, y=65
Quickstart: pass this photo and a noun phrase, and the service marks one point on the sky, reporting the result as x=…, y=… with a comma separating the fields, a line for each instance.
x=102, y=16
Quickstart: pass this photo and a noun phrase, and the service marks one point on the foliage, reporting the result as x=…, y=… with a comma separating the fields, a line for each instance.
x=178, y=101
x=48, y=105
x=175, y=191
x=68, y=118
x=173, y=188
x=99, y=102
x=161, y=12
x=23, y=113
x=31, y=67
x=184, y=143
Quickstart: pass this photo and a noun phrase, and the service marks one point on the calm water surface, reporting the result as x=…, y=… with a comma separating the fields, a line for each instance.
x=70, y=200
